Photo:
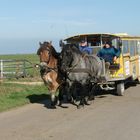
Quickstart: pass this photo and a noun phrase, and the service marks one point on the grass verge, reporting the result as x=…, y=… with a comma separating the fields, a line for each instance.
x=15, y=95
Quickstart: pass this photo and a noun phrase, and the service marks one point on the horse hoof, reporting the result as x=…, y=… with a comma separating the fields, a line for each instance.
x=87, y=103
x=91, y=98
x=53, y=105
x=59, y=104
x=80, y=106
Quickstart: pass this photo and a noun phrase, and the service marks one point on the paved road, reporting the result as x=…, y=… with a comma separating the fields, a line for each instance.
x=108, y=118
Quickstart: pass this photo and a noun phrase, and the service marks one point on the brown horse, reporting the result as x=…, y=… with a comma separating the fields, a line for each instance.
x=49, y=60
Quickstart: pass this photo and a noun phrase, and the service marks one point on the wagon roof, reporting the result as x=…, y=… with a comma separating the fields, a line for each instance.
x=88, y=36
x=127, y=36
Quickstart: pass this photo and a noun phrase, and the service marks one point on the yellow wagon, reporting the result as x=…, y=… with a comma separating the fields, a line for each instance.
x=127, y=66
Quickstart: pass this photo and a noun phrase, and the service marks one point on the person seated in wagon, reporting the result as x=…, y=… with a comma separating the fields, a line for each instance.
x=109, y=53
x=84, y=47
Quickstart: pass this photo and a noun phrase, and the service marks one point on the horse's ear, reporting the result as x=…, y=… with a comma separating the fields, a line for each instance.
x=40, y=43
x=61, y=43
x=50, y=42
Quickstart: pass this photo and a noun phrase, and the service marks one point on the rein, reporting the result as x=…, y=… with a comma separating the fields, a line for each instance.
x=80, y=70
x=47, y=70
x=50, y=68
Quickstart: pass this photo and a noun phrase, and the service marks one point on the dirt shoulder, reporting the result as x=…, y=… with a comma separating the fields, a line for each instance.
x=27, y=83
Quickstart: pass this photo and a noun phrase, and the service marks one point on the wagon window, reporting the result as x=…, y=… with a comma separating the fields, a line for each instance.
x=132, y=48
x=125, y=46
x=96, y=49
x=115, y=43
x=138, y=47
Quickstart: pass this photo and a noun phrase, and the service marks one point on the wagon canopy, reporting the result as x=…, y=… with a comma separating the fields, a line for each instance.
x=92, y=38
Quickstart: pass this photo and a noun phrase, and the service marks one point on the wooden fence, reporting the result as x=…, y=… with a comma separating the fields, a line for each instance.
x=14, y=68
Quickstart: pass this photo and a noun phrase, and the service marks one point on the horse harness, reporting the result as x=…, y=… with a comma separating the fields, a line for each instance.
x=72, y=69
x=83, y=70
x=49, y=55
x=48, y=69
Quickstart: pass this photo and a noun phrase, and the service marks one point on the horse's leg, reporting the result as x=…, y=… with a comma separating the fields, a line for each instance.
x=93, y=90
x=53, y=99
x=68, y=88
x=73, y=91
x=82, y=97
x=60, y=97
x=87, y=94
x=53, y=91
x=82, y=102
x=62, y=90
x=91, y=95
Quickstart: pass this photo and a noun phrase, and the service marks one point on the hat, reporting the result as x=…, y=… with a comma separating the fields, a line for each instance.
x=83, y=43
x=109, y=43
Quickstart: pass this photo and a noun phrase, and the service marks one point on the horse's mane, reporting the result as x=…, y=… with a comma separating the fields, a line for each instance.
x=48, y=46
x=73, y=47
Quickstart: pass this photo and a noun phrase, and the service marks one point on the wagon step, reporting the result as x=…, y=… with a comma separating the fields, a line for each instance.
x=106, y=87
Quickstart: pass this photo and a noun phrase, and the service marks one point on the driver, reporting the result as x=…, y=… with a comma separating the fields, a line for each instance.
x=85, y=48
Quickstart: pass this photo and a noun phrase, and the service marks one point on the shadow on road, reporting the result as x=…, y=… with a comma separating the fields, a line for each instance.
x=41, y=99
x=131, y=84
x=99, y=93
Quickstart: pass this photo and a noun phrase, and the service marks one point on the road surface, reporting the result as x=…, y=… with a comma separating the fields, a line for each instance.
x=110, y=117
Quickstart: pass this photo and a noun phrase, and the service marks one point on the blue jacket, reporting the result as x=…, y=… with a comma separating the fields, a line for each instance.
x=109, y=53
x=86, y=49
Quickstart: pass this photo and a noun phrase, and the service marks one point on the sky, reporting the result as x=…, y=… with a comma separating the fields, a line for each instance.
x=25, y=23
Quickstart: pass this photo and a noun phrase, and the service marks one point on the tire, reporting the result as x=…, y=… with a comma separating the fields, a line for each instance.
x=139, y=79
x=120, y=89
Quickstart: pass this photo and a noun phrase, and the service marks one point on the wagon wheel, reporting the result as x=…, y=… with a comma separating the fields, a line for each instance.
x=120, y=89
x=139, y=79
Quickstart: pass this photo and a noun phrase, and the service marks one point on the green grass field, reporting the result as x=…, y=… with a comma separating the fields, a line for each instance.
x=15, y=95
x=30, y=57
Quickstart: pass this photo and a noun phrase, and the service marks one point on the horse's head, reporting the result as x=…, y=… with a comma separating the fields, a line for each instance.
x=44, y=51
x=67, y=56
x=48, y=57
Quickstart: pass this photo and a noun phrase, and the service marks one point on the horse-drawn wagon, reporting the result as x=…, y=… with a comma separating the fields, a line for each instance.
x=127, y=65
x=72, y=69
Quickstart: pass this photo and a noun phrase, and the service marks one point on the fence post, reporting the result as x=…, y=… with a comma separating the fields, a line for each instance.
x=1, y=69
x=24, y=68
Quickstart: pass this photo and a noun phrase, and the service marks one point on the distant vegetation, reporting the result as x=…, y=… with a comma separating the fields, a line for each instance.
x=30, y=57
